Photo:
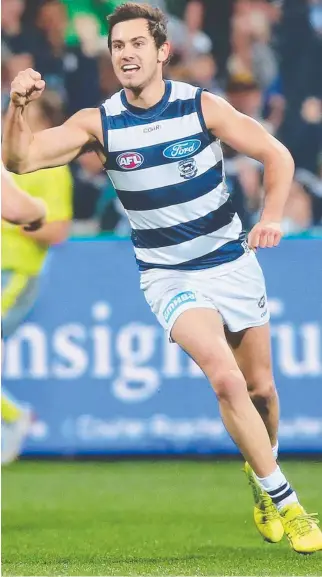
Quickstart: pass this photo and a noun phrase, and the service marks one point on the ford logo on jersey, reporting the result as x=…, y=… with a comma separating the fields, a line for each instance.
x=130, y=160
x=182, y=149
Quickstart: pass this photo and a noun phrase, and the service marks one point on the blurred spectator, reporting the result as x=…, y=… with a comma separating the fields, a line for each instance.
x=89, y=186
x=85, y=26
x=251, y=53
x=14, y=37
x=17, y=44
x=301, y=76
x=12, y=64
x=244, y=175
x=274, y=106
x=212, y=16
x=298, y=211
x=312, y=184
x=315, y=15
x=66, y=69
x=201, y=70
x=109, y=84
x=245, y=95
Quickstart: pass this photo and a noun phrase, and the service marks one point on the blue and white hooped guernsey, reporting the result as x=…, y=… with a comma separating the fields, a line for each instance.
x=168, y=172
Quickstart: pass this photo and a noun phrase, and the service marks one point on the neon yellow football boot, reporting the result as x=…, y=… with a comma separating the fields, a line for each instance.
x=301, y=529
x=266, y=516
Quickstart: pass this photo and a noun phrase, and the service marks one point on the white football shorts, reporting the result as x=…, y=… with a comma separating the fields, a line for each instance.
x=236, y=290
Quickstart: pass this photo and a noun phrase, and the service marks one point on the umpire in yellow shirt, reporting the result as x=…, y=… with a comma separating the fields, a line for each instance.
x=23, y=256
x=24, y=253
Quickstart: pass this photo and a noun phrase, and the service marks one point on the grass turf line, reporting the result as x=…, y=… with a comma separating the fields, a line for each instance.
x=143, y=518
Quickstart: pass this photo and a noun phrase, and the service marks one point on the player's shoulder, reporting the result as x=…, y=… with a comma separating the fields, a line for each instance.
x=211, y=99
x=213, y=106
x=182, y=90
x=88, y=119
x=113, y=106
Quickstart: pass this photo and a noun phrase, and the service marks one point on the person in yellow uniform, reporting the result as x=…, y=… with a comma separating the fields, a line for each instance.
x=23, y=256
x=18, y=207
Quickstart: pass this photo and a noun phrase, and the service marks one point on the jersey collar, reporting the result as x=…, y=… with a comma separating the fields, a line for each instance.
x=153, y=110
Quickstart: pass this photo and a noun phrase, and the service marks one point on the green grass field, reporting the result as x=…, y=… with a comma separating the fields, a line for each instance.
x=143, y=518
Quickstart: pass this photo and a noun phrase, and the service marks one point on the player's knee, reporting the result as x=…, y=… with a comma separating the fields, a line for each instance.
x=229, y=386
x=228, y=382
x=262, y=391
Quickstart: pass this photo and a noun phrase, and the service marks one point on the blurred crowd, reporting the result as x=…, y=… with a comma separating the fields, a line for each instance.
x=265, y=57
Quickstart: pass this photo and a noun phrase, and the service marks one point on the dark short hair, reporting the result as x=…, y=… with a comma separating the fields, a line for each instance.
x=157, y=22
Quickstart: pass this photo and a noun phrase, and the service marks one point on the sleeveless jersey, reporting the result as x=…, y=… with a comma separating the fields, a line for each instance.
x=168, y=172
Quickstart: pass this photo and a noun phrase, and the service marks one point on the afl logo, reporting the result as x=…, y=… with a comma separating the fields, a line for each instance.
x=130, y=160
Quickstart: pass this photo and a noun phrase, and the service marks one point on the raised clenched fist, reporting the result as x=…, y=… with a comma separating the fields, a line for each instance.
x=27, y=86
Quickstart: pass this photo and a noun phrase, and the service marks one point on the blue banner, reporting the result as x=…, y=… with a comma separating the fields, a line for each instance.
x=97, y=369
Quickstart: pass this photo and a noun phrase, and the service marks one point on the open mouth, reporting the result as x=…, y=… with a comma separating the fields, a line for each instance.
x=130, y=68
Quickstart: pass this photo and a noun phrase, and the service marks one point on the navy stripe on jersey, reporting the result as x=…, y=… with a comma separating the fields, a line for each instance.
x=105, y=127
x=199, y=110
x=153, y=155
x=228, y=252
x=169, y=195
x=175, y=109
x=159, y=237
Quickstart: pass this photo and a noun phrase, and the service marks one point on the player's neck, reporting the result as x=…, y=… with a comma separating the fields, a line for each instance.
x=148, y=97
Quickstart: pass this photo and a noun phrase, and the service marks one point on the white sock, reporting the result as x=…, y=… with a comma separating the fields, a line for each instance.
x=278, y=488
x=275, y=451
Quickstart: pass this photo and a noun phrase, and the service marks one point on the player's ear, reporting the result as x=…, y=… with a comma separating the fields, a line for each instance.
x=164, y=52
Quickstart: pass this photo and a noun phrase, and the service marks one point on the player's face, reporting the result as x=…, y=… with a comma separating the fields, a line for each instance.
x=135, y=57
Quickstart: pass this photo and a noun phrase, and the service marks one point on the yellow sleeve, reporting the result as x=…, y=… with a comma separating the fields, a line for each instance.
x=58, y=193
x=55, y=187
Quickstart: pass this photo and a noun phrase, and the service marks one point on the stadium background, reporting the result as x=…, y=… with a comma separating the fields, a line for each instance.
x=91, y=359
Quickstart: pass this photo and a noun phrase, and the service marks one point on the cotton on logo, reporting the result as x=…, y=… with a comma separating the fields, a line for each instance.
x=130, y=160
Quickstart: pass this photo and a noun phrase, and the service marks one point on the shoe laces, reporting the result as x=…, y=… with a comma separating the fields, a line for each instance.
x=270, y=509
x=303, y=524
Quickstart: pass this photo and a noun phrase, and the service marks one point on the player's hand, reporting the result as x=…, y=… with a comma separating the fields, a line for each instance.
x=35, y=225
x=27, y=86
x=41, y=220
x=265, y=234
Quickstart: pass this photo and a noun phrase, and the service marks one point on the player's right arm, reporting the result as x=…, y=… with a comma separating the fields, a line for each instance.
x=18, y=207
x=24, y=151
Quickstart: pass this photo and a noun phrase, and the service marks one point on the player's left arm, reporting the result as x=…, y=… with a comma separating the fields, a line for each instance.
x=18, y=207
x=248, y=137
x=50, y=233
x=58, y=194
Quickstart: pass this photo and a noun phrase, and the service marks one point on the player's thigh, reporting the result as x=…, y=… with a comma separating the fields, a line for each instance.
x=252, y=351
x=241, y=297
x=191, y=319
x=200, y=333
